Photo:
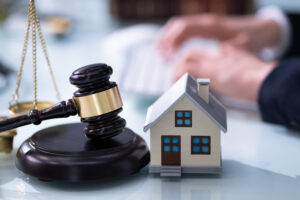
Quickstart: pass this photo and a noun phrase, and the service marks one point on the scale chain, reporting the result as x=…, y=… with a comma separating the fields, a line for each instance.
x=33, y=32
x=24, y=52
x=44, y=47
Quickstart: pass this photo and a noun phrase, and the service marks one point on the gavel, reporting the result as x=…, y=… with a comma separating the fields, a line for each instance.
x=97, y=101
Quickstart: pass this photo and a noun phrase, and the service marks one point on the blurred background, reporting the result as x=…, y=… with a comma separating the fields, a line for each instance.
x=121, y=33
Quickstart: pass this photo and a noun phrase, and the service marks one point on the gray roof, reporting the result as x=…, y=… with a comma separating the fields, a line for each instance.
x=186, y=86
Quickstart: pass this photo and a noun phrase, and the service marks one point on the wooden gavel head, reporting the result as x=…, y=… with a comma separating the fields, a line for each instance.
x=98, y=101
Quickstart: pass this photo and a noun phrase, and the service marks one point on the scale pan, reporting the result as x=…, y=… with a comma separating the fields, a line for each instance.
x=25, y=107
x=6, y=139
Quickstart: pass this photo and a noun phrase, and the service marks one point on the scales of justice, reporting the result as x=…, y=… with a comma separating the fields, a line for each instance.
x=98, y=147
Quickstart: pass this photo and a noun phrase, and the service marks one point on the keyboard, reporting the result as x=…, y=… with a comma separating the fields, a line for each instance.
x=147, y=73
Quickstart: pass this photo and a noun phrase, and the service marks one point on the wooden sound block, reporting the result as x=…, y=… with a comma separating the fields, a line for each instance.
x=65, y=153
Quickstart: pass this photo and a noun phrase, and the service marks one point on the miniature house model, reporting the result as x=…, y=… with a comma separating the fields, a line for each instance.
x=185, y=129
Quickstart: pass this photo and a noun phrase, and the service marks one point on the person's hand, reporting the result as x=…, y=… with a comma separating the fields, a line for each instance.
x=249, y=32
x=233, y=72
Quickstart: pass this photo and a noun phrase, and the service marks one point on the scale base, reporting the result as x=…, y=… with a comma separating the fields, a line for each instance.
x=64, y=153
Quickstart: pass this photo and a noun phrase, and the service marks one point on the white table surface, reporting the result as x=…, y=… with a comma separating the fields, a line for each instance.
x=260, y=160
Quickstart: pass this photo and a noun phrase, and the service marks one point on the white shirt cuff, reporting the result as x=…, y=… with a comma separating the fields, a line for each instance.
x=276, y=14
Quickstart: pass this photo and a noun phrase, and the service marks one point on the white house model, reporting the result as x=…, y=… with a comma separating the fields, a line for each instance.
x=185, y=129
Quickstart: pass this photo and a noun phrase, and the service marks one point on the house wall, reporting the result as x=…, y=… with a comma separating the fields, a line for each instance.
x=201, y=126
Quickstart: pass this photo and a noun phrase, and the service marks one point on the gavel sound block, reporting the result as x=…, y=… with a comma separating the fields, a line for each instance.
x=105, y=149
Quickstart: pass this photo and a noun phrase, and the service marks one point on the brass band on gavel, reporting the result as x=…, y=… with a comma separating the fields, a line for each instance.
x=98, y=103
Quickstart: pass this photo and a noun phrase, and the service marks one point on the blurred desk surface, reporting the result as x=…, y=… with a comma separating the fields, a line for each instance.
x=260, y=161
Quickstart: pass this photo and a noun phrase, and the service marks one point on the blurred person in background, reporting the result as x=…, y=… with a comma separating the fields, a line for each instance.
x=237, y=69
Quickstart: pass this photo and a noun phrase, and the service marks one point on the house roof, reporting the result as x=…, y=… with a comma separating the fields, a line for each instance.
x=186, y=86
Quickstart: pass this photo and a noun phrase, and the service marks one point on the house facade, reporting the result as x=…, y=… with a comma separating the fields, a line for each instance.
x=185, y=132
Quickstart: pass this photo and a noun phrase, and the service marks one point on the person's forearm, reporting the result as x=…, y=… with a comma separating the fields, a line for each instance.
x=279, y=97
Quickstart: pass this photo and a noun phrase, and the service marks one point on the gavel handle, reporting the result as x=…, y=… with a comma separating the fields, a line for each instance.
x=59, y=110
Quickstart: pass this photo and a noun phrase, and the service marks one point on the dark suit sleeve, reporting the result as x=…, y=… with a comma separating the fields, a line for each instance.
x=279, y=96
x=294, y=48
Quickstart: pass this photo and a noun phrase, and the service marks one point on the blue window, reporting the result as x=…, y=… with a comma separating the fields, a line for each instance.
x=196, y=149
x=166, y=140
x=204, y=149
x=183, y=118
x=179, y=122
x=187, y=122
x=195, y=140
x=175, y=148
x=175, y=140
x=166, y=149
x=201, y=145
x=205, y=140
x=170, y=144
x=187, y=114
x=179, y=114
